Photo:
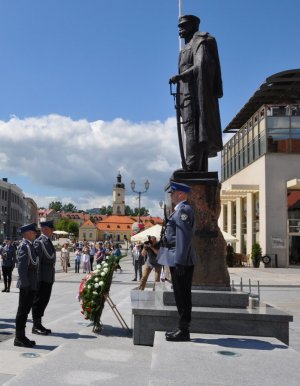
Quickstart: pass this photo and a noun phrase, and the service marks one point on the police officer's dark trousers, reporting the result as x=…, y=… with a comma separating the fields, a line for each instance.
x=41, y=300
x=182, y=287
x=26, y=297
x=7, y=272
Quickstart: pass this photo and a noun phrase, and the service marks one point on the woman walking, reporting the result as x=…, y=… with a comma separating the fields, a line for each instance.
x=65, y=257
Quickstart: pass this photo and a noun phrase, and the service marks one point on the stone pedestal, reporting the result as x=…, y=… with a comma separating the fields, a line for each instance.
x=211, y=269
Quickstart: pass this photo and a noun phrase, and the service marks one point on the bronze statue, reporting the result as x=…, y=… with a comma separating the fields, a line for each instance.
x=199, y=85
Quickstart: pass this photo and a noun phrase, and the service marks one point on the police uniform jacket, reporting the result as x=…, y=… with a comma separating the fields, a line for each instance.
x=47, y=258
x=8, y=256
x=27, y=261
x=179, y=231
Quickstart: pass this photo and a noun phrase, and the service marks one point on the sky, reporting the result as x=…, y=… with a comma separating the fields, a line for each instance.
x=84, y=90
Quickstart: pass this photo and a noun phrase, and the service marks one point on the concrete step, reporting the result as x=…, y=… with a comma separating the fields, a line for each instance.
x=150, y=316
x=223, y=360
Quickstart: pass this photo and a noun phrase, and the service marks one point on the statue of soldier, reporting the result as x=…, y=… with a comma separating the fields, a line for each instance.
x=199, y=85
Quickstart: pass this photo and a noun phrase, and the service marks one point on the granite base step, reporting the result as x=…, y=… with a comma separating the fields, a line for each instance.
x=204, y=298
x=150, y=316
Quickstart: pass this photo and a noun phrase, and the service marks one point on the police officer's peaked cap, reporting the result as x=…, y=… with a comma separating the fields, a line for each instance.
x=188, y=19
x=28, y=227
x=179, y=187
x=48, y=224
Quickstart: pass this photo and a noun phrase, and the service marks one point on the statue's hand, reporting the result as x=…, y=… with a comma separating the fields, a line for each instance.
x=175, y=79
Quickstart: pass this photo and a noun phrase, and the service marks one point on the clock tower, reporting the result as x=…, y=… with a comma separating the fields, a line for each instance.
x=119, y=197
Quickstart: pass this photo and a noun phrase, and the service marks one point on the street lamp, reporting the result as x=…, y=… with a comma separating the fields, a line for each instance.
x=132, y=184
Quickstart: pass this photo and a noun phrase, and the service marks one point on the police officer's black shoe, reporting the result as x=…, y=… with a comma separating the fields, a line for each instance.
x=30, y=341
x=179, y=336
x=168, y=333
x=23, y=342
x=39, y=330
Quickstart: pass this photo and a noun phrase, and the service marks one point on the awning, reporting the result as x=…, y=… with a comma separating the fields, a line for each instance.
x=293, y=184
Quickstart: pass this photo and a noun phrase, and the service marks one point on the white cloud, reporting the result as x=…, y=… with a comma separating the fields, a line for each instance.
x=82, y=159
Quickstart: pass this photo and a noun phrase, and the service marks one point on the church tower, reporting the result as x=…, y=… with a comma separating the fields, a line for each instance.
x=119, y=197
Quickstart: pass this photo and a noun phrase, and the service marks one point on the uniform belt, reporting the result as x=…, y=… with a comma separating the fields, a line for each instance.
x=170, y=245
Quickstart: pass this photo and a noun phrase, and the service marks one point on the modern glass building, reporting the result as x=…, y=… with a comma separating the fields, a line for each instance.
x=260, y=171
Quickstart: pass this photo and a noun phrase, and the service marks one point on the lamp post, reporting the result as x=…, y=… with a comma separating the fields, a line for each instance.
x=132, y=184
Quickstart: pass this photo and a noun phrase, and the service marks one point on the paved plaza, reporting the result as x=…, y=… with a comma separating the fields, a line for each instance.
x=74, y=355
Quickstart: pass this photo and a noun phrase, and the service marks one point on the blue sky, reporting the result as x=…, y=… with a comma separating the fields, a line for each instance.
x=84, y=87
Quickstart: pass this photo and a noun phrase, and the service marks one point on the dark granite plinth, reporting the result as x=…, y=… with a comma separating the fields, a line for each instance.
x=210, y=269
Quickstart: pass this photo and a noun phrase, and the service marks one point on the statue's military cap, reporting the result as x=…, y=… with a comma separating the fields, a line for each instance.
x=28, y=227
x=48, y=224
x=177, y=186
x=188, y=19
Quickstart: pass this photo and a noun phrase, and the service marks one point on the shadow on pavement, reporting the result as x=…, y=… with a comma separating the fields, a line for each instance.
x=108, y=330
x=244, y=343
x=72, y=335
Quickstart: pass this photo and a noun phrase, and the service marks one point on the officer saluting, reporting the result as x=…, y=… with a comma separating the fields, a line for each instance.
x=27, y=261
x=179, y=255
x=47, y=258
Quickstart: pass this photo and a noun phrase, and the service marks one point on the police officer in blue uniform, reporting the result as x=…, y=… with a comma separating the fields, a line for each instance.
x=8, y=254
x=27, y=262
x=47, y=258
x=179, y=254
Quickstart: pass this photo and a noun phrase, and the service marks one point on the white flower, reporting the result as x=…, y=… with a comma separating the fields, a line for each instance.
x=89, y=286
x=96, y=285
x=105, y=270
x=105, y=265
x=101, y=283
x=103, y=262
x=98, y=266
x=102, y=274
x=95, y=293
x=96, y=279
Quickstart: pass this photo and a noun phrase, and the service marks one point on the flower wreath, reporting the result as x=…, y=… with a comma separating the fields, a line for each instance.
x=94, y=288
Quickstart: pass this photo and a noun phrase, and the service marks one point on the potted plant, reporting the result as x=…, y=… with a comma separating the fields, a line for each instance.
x=256, y=255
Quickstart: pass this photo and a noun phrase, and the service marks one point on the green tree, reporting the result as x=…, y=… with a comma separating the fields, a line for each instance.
x=69, y=208
x=62, y=225
x=73, y=227
x=56, y=205
x=143, y=211
x=103, y=210
x=128, y=210
x=109, y=210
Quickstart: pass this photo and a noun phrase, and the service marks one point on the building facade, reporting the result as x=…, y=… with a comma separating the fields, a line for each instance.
x=15, y=210
x=260, y=172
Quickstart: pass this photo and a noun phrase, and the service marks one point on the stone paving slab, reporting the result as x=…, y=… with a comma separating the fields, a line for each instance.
x=252, y=361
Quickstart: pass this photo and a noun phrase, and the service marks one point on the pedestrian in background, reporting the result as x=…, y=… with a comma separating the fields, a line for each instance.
x=137, y=261
x=100, y=255
x=78, y=254
x=92, y=255
x=27, y=261
x=149, y=252
x=86, y=260
x=8, y=254
x=65, y=257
